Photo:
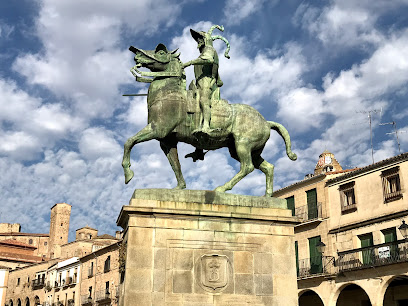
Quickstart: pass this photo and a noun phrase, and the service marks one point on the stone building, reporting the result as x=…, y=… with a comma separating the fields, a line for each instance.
x=26, y=285
x=349, y=248
x=63, y=283
x=100, y=277
x=4, y=273
x=45, y=268
x=15, y=254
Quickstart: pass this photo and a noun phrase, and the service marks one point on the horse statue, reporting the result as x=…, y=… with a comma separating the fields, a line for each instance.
x=174, y=115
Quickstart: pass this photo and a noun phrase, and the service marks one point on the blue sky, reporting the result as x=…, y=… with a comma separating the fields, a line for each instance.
x=313, y=66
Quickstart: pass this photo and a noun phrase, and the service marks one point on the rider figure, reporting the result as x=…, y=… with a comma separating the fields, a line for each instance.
x=206, y=71
x=207, y=78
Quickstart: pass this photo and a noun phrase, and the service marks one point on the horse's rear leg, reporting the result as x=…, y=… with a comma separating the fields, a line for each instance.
x=169, y=147
x=147, y=133
x=243, y=151
x=267, y=169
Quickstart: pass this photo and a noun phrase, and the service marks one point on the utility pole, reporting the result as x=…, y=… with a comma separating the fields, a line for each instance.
x=370, y=112
x=394, y=124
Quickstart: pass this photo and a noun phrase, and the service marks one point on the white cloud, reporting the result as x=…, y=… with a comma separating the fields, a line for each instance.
x=235, y=11
x=98, y=142
x=346, y=23
x=28, y=125
x=81, y=61
x=5, y=30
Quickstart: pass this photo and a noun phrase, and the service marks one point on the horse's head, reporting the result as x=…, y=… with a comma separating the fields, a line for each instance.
x=155, y=60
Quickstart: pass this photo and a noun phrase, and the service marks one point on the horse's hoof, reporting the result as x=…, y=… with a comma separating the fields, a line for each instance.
x=128, y=175
x=220, y=189
x=179, y=187
x=292, y=156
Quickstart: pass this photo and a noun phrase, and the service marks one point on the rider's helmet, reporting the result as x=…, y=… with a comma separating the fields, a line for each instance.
x=206, y=38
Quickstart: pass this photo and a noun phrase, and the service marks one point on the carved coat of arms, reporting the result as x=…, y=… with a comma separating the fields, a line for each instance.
x=214, y=271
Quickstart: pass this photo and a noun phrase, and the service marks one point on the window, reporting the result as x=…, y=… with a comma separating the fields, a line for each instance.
x=18, y=281
x=107, y=264
x=291, y=204
x=316, y=265
x=297, y=257
x=30, y=241
x=312, y=212
x=90, y=272
x=347, y=198
x=391, y=184
x=391, y=250
x=107, y=288
x=45, y=243
x=367, y=253
x=90, y=291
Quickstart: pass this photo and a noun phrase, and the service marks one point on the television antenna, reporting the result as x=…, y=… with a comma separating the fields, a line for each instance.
x=396, y=131
x=370, y=112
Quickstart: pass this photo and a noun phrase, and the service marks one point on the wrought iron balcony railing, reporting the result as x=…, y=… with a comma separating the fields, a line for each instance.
x=377, y=255
x=315, y=266
x=308, y=213
x=38, y=283
x=86, y=299
x=103, y=295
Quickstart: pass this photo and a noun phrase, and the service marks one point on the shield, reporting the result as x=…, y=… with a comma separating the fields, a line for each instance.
x=214, y=271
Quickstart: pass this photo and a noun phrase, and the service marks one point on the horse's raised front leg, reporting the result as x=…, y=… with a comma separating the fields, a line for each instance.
x=147, y=133
x=244, y=155
x=169, y=147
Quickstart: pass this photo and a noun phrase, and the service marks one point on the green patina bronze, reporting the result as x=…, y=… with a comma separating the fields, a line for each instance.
x=199, y=116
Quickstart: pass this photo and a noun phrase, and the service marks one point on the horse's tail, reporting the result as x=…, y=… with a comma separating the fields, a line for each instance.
x=285, y=135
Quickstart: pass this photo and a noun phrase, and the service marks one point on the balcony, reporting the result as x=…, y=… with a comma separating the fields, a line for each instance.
x=102, y=296
x=86, y=299
x=67, y=282
x=373, y=256
x=315, y=266
x=38, y=283
x=90, y=272
x=307, y=214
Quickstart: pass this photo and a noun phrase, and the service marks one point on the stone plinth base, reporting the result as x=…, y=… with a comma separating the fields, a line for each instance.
x=206, y=248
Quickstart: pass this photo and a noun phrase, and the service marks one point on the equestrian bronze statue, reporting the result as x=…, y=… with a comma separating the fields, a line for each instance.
x=198, y=116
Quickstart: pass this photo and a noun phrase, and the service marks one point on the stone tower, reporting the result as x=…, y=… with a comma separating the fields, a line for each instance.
x=59, y=228
x=327, y=163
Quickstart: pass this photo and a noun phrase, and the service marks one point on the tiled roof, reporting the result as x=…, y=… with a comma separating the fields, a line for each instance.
x=106, y=236
x=379, y=164
x=300, y=182
x=23, y=234
x=87, y=227
x=13, y=242
x=19, y=257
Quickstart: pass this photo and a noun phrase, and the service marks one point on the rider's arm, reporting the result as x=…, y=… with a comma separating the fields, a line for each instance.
x=143, y=80
x=205, y=58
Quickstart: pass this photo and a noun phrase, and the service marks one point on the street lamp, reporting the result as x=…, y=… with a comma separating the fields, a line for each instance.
x=321, y=247
x=404, y=229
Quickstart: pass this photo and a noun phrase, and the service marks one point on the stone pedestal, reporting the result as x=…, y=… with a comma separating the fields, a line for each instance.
x=193, y=247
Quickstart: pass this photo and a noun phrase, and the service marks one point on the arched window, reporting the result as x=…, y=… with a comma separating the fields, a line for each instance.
x=30, y=241
x=37, y=300
x=27, y=302
x=18, y=302
x=11, y=303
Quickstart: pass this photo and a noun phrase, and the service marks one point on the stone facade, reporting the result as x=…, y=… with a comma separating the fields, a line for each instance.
x=365, y=261
x=4, y=274
x=100, y=276
x=23, y=284
x=203, y=252
x=38, y=279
